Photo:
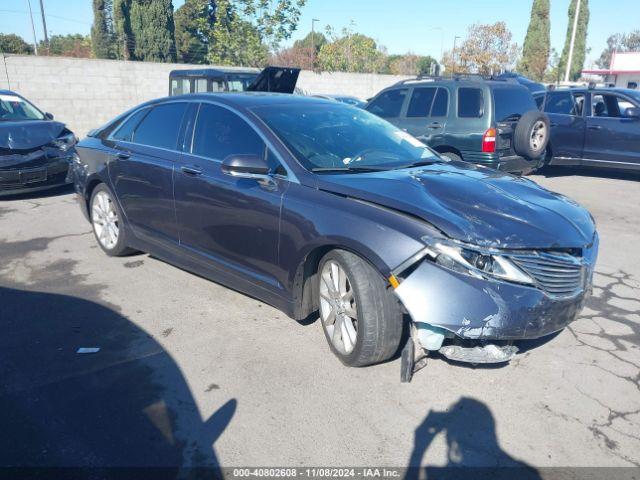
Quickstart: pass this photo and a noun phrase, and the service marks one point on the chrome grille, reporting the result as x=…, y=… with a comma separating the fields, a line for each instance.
x=558, y=274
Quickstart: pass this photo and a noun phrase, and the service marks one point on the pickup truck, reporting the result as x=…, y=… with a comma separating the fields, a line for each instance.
x=593, y=127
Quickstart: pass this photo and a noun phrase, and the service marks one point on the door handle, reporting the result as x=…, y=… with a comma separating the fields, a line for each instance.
x=434, y=125
x=123, y=155
x=194, y=170
x=595, y=127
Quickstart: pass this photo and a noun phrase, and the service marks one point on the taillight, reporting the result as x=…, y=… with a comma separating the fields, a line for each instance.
x=489, y=141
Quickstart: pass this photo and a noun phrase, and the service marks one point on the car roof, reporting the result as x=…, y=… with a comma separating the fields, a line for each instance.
x=587, y=89
x=251, y=99
x=8, y=92
x=188, y=72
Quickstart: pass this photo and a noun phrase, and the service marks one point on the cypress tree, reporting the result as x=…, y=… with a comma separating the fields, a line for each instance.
x=153, y=30
x=122, y=29
x=580, y=45
x=537, y=43
x=102, y=30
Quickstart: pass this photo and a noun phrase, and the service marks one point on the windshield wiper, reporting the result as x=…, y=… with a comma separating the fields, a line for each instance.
x=349, y=169
x=421, y=163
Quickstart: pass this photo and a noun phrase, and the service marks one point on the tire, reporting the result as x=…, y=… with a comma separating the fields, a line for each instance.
x=451, y=156
x=378, y=317
x=531, y=135
x=103, y=222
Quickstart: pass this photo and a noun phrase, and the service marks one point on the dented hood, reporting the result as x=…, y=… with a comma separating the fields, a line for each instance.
x=28, y=134
x=473, y=204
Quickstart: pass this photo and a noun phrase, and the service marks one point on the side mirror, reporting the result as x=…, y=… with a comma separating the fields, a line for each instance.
x=246, y=166
x=49, y=115
x=632, y=112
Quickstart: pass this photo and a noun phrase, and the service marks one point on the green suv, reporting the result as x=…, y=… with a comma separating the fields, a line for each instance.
x=495, y=123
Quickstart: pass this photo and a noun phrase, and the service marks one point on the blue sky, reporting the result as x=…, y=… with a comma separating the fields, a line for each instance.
x=419, y=26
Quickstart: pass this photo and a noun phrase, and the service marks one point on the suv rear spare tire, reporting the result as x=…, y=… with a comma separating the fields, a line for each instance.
x=531, y=135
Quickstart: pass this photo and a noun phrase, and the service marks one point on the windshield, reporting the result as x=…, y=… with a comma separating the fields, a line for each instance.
x=635, y=94
x=343, y=138
x=14, y=108
x=512, y=103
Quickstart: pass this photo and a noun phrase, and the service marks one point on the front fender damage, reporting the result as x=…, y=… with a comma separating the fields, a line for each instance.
x=487, y=313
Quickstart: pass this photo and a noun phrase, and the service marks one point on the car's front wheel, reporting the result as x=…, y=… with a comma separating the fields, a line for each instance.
x=361, y=318
x=106, y=220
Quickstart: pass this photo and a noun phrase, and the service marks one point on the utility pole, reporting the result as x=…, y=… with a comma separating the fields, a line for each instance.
x=571, y=44
x=44, y=26
x=313, y=43
x=33, y=29
x=453, y=55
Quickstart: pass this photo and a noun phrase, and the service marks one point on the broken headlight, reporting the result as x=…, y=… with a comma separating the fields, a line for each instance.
x=476, y=262
x=65, y=142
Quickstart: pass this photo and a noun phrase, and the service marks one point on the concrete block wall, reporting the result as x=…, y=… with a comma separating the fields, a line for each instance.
x=85, y=93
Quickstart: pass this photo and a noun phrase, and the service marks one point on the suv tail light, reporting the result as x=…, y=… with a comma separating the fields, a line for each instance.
x=489, y=141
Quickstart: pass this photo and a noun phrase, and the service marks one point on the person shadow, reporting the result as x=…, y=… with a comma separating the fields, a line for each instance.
x=125, y=411
x=473, y=450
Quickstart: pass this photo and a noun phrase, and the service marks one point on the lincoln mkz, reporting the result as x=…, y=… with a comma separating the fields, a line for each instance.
x=320, y=208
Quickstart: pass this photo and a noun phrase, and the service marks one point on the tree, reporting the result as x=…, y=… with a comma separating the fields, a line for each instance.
x=72, y=45
x=153, y=30
x=122, y=29
x=410, y=64
x=193, y=21
x=580, y=44
x=273, y=23
x=11, y=43
x=234, y=40
x=102, y=39
x=619, y=42
x=351, y=52
x=486, y=50
x=537, y=43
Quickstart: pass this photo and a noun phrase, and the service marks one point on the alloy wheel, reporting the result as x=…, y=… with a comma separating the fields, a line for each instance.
x=338, y=309
x=105, y=220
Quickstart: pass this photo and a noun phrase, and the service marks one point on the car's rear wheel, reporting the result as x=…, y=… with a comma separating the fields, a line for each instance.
x=361, y=319
x=106, y=220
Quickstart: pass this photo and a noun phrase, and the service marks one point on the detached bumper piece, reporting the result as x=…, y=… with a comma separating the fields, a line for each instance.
x=479, y=354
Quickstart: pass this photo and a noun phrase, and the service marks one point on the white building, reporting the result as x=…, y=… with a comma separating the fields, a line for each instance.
x=624, y=71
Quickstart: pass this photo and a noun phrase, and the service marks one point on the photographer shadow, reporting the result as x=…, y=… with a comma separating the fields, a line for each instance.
x=473, y=450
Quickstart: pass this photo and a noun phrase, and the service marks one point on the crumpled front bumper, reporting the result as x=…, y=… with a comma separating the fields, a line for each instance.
x=50, y=173
x=475, y=308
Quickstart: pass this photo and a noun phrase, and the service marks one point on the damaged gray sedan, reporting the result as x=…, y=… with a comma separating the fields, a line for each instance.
x=314, y=206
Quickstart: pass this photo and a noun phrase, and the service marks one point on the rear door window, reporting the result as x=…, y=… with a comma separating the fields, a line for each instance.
x=388, y=104
x=161, y=126
x=470, y=103
x=219, y=133
x=421, y=100
x=511, y=103
x=440, y=103
x=559, y=103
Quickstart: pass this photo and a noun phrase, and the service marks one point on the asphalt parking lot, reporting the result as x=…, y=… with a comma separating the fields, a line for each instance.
x=190, y=373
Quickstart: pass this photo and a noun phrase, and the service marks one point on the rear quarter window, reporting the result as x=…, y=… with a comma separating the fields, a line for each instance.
x=470, y=102
x=511, y=102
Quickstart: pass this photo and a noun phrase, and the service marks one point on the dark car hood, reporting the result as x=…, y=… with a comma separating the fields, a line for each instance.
x=28, y=134
x=474, y=204
x=275, y=79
